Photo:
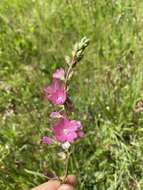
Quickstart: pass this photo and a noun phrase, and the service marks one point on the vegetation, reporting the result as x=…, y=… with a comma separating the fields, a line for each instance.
x=36, y=36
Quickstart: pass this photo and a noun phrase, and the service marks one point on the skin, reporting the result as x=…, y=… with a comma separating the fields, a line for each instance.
x=55, y=185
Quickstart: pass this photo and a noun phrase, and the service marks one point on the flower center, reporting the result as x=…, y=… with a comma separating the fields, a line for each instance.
x=60, y=98
x=65, y=131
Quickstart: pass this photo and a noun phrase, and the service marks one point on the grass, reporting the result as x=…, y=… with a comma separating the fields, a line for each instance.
x=35, y=37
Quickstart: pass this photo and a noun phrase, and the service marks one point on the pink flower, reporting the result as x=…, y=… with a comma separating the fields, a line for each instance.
x=55, y=115
x=47, y=140
x=59, y=74
x=56, y=92
x=67, y=130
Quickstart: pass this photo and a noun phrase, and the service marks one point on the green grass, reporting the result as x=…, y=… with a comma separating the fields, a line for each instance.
x=35, y=37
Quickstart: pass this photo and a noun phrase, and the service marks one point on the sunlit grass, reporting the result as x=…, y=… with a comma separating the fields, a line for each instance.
x=35, y=38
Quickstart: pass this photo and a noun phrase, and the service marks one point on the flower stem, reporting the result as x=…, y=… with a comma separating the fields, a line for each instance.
x=68, y=73
x=66, y=167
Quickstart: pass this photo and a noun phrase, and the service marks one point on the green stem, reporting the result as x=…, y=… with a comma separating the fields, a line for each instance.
x=67, y=167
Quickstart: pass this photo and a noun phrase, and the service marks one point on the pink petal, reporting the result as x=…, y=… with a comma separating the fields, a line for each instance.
x=56, y=92
x=48, y=89
x=59, y=74
x=61, y=138
x=76, y=125
x=55, y=115
x=47, y=140
x=71, y=137
x=68, y=130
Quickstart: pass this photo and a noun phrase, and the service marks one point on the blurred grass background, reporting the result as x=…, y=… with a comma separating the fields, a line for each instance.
x=35, y=37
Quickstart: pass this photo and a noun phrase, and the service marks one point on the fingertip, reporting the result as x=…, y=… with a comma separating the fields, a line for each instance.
x=53, y=184
x=71, y=179
x=66, y=187
x=50, y=185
